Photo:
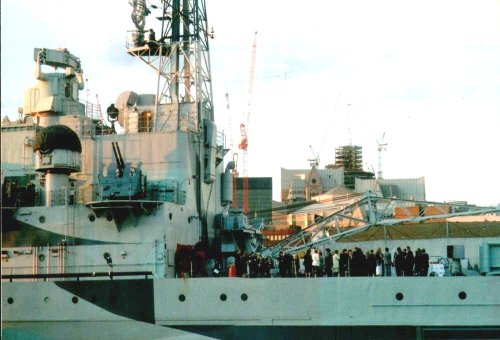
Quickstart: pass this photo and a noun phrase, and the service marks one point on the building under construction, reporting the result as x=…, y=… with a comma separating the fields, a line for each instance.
x=350, y=157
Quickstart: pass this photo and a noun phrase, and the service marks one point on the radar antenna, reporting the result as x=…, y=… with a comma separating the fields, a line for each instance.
x=139, y=13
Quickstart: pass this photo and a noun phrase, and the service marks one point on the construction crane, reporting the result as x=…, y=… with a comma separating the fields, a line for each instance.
x=315, y=160
x=381, y=147
x=243, y=146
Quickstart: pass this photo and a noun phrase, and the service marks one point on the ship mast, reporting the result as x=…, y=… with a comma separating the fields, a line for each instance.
x=179, y=55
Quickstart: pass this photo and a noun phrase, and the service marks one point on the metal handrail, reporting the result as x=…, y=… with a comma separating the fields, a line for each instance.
x=109, y=274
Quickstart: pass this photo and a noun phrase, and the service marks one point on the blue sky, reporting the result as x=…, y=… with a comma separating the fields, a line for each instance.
x=426, y=73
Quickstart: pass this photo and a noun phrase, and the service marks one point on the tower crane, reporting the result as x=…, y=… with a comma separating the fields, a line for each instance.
x=243, y=146
x=381, y=147
x=315, y=160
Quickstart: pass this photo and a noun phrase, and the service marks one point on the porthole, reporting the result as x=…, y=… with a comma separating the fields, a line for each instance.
x=74, y=300
x=41, y=257
x=41, y=219
x=109, y=217
x=108, y=258
x=10, y=301
x=182, y=298
x=91, y=218
x=46, y=299
x=223, y=297
x=399, y=296
x=462, y=295
x=244, y=297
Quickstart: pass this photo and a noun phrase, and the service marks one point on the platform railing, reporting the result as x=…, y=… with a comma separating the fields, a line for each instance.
x=77, y=276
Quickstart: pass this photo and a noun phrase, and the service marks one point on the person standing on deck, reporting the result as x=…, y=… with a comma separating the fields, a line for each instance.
x=398, y=261
x=336, y=263
x=297, y=265
x=308, y=263
x=321, y=270
x=425, y=263
x=410, y=262
x=387, y=262
x=329, y=263
x=343, y=262
x=315, y=262
x=281, y=264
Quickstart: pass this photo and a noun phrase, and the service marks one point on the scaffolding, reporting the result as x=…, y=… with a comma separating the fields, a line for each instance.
x=350, y=157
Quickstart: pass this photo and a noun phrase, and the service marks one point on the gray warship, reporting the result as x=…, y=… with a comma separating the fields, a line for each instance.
x=97, y=225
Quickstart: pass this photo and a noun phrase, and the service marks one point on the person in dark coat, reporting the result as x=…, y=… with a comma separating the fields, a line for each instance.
x=399, y=261
x=328, y=263
x=349, y=262
x=308, y=262
x=343, y=262
x=358, y=263
x=281, y=264
x=253, y=264
x=425, y=263
x=267, y=265
x=238, y=263
x=409, y=262
x=418, y=262
x=372, y=263
x=289, y=265
x=244, y=264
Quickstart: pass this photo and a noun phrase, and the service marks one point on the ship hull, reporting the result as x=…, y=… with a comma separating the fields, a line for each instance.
x=234, y=307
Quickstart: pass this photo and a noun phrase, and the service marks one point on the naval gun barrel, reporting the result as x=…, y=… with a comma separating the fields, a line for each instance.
x=119, y=159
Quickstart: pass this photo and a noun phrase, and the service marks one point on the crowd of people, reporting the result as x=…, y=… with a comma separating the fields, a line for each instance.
x=333, y=263
x=193, y=262
x=253, y=265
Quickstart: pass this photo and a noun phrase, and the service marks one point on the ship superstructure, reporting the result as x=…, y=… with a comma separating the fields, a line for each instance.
x=101, y=201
